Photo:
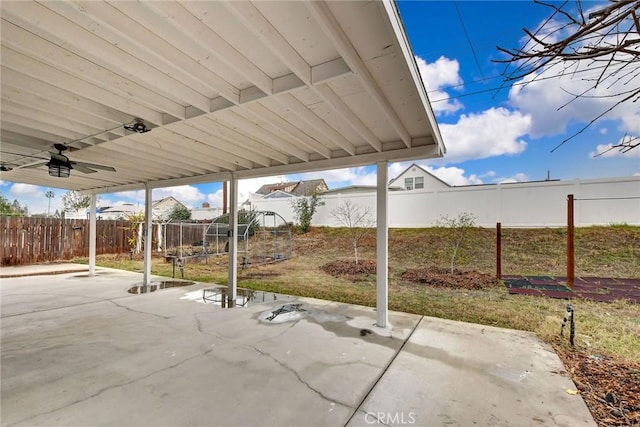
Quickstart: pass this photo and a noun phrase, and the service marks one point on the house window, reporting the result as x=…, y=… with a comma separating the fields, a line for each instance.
x=408, y=183
x=419, y=182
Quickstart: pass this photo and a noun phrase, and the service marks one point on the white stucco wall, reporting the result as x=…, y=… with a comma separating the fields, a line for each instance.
x=534, y=204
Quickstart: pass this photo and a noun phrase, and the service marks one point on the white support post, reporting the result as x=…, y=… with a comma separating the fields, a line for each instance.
x=148, y=238
x=92, y=235
x=382, y=247
x=232, y=285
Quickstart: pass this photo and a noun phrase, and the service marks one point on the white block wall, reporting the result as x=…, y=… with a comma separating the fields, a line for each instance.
x=531, y=204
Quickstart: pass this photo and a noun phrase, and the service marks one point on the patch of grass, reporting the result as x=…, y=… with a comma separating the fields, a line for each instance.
x=602, y=328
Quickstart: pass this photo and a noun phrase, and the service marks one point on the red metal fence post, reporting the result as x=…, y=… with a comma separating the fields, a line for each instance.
x=570, y=242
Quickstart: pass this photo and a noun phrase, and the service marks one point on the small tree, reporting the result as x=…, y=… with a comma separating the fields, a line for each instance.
x=6, y=209
x=357, y=219
x=135, y=229
x=74, y=201
x=305, y=208
x=180, y=213
x=461, y=227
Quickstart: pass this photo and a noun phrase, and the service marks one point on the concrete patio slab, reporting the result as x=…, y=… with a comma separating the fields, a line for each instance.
x=80, y=351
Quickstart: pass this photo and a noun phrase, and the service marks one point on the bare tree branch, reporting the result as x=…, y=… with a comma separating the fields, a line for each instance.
x=606, y=41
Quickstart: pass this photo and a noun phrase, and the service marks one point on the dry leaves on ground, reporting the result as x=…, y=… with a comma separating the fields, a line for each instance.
x=609, y=387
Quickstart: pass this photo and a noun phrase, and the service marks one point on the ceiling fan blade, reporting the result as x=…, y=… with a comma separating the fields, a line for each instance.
x=78, y=165
x=81, y=168
x=35, y=165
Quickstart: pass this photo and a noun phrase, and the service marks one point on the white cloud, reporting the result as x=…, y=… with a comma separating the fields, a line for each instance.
x=215, y=199
x=188, y=195
x=552, y=104
x=454, y=176
x=518, y=177
x=26, y=190
x=437, y=76
x=493, y=132
x=341, y=177
x=607, y=150
x=251, y=185
x=130, y=196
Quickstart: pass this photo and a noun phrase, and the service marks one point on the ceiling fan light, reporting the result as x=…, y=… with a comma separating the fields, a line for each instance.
x=59, y=170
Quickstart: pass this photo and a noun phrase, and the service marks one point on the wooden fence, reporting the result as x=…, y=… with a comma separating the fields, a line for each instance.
x=35, y=240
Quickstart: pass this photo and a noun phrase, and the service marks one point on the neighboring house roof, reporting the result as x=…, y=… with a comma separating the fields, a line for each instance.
x=162, y=208
x=297, y=188
x=278, y=194
x=426, y=172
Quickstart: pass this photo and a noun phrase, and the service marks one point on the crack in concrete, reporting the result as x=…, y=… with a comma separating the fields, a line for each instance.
x=384, y=371
x=288, y=368
x=114, y=386
x=138, y=311
x=95, y=301
x=279, y=334
x=374, y=415
x=211, y=334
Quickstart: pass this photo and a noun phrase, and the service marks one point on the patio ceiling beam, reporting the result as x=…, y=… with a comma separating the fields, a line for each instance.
x=65, y=135
x=255, y=22
x=54, y=118
x=267, y=117
x=250, y=128
x=140, y=41
x=332, y=29
x=224, y=147
x=245, y=141
x=172, y=140
x=162, y=30
x=429, y=150
x=36, y=47
x=60, y=79
x=278, y=45
x=45, y=105
x=28, y=132
x=331, y=98
x=162, y=161
x=303, y=113
x=15, y=81
x=80, y=41
x=208, y=41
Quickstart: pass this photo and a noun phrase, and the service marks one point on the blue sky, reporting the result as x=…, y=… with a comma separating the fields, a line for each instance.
x=491, y=135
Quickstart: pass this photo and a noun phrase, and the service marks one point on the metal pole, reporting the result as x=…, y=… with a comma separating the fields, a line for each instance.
x=570, y=242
